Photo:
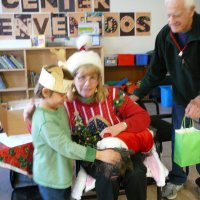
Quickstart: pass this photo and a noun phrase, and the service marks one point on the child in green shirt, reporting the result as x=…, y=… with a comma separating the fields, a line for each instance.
x=54, y=150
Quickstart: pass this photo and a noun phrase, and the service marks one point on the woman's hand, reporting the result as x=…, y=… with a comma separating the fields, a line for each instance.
x=193, y=108
x=114, y=130
x=29, y=110
x=134, y=97
x=109, y=156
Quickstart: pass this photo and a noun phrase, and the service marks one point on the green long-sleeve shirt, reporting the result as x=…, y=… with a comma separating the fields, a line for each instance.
x=54, y=149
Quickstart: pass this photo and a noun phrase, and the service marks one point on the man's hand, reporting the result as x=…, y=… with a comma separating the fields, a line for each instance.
x=193, y=108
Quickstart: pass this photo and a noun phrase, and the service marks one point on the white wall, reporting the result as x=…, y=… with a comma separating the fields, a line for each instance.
x=129, y=44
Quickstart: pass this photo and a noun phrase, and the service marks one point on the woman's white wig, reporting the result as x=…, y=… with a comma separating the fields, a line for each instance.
x=188, y=3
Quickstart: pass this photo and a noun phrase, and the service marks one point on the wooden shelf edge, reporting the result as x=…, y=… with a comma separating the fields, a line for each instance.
x=43, y=48
x=16, y=89
x=12, y=70
x=121, y=67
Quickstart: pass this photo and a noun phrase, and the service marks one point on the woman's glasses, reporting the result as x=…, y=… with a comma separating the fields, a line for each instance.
x=91, y=79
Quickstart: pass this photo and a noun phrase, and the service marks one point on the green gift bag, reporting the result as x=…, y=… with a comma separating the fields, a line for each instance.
x=187, y=145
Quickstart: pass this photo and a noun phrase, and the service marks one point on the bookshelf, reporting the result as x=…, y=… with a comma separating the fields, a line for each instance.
x=19, y=83
x=133, y=73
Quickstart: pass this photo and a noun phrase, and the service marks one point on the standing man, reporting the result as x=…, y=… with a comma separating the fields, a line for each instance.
x=177, y=51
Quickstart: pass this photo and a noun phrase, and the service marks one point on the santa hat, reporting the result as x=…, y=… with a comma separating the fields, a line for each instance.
x=53, y=79
x=138, y=142
x=84, y=42
x=83, y=57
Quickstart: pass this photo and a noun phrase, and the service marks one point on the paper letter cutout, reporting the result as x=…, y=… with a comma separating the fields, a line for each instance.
x=66, y=6
x=127, y=24
x=41, y=24
x=49, y=6
x=143, y=23
x=10, y=6
x=83, y=6
x=22, y=26
x=6, y=29
x=30, y=6
x=59, y=25
x=101, y=5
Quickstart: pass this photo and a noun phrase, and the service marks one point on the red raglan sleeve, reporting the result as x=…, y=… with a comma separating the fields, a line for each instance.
x=136, y=118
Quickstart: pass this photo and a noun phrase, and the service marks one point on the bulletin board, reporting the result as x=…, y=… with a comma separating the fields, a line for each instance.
x=22, y=19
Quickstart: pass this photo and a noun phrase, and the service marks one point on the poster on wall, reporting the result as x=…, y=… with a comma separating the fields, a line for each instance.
x=83, y=6
x=59, y=25
x=38, y=41
x=50, y=6
x=143, y=23
x=30, y=6
x=73, y=20
x=95, y=17
x=6, y=27
x=22, y=26
x=111, y=24
x=41, y=24
x=127, y=24
x=90, y=28
x=101, y=5
x=12, y=7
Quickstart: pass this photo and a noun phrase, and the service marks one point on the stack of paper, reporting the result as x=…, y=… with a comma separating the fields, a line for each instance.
x=15, y=140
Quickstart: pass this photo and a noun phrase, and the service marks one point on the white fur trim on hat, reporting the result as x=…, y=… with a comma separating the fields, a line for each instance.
x=83, y=58
x=84, y=42
x=111, y=142
x=54, y=80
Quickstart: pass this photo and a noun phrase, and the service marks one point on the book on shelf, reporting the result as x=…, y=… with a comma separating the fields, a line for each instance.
x=32, y=78
x=16, y=61
x=9, y=62
x=3, y=84
x=1, y=65
x=3, y=62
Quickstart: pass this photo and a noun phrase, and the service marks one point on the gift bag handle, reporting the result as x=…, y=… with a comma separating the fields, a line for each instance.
x=183, y=124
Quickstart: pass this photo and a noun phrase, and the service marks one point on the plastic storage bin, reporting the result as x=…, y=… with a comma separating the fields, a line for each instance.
x=126, y=60
x=110, y=61
x=166, y=95
x=141, y=59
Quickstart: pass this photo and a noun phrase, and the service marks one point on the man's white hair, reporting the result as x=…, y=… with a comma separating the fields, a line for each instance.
x=188, y=3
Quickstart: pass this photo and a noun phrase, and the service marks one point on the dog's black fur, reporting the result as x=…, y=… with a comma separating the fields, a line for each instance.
x=119, y=169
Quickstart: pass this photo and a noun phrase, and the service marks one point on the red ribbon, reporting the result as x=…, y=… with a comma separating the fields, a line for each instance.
x=82, y=48
x=177, y=45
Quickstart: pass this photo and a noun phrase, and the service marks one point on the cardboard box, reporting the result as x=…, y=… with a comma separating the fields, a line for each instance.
x=12, y=121
x=11, y=116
